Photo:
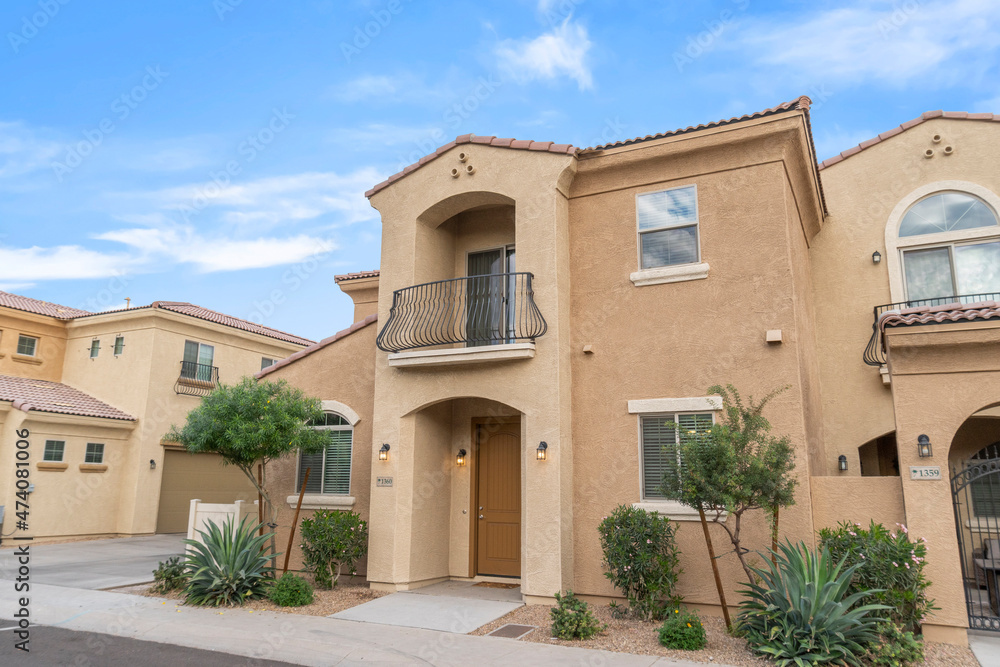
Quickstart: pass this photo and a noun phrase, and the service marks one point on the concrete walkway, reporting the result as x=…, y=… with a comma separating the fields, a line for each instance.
x=985, y=646
x=300, y=639
x=451, y=606
x=95, y=564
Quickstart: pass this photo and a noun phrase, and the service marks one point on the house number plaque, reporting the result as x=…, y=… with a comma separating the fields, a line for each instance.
x=383, y=481
x=925, y=472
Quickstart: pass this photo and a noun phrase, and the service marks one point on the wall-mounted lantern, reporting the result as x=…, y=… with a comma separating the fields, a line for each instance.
x=383, y=453
x=924, y=447
x=152, y=464
x=842, y=462
x=460, y=459
x=876, y=257
x=540, y=452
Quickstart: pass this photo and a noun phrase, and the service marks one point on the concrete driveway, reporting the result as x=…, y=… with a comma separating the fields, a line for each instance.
x=95, y=564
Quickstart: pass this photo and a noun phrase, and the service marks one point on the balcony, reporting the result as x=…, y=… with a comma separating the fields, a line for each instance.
x=875, y=351
x=196, y=379
x=476, y=318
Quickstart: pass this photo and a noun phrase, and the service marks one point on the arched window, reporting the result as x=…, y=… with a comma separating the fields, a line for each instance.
x=986, y=490
x=330, y=469
x=950, y=246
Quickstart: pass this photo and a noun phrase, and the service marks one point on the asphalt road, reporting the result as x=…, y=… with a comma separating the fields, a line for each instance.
x=57, y=647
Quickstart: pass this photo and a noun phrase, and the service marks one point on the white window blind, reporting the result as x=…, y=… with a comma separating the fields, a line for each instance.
x=331, y=468
x=659, y=435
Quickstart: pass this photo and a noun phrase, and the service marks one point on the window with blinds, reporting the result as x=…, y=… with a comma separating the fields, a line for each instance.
x=331, y=468
x=659, y=436
x=668, y=227
x=985, y=491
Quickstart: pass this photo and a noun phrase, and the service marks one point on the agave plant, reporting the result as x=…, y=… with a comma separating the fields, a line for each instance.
x=799, y=613
x=229, y=565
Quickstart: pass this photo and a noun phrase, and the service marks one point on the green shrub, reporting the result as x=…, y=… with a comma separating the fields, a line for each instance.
x=290, y=590
x=229, y=565
x=800, y=611
x=642, y=559
x=885, y=560
x=169, y=576
x=333, y=542
x=683, y=631
x=895, y=648
x=573, y=619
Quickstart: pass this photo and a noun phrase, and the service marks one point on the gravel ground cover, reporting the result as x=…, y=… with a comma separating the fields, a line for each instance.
x=632, y=636
x=344, y=596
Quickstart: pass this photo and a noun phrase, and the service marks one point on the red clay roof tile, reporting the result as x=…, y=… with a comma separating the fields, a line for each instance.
x=951, y=312
x=29, y=305
x=44, y=396
x=371, y=319
x=356, y=275
x=927, y=115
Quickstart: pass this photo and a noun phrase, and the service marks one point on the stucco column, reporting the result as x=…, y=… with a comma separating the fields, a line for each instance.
x=929, y=509
x=13, y=420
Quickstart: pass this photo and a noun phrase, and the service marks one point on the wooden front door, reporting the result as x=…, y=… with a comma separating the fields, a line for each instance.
x=498, y=519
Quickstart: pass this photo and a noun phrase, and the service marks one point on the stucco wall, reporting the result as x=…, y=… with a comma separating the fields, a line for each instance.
x=675, y=340
x=344, y=372
x=51, y=346
x=858, y=499
x=861, y=193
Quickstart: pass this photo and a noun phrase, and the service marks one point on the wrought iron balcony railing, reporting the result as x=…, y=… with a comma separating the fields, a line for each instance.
x=875, y=352
x=196, y=379
x=476, y=310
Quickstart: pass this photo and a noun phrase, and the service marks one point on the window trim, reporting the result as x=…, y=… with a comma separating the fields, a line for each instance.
x=95, y=348
x=34, y=348
x=653, y=407
x=696, y=225
x=62, y=451
x=86, y=453
x=895, y=245
x=350, y=467
x=118, y=351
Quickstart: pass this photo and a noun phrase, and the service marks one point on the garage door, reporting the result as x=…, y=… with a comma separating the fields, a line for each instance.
x=187, y=476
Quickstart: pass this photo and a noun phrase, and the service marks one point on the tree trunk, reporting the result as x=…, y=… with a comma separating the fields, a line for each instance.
x=734, y=537
x=715, y=569
x=774, y=537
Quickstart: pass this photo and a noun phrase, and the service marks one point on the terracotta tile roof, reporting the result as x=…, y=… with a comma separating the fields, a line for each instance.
x=356, y=276
x=357, y=326
x=185, y=308
x=28, y=394
x=949, y=312
x=957, y=115
x=521, y=144
x=801, y=103
x=27, y=304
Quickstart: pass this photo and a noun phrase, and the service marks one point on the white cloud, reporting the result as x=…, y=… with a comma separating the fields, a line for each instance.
x=61, y=262
x=22, y=151
x=378, y=134
x=888, y=42
x=559, y=52
x=267, y=201
x=183, y=245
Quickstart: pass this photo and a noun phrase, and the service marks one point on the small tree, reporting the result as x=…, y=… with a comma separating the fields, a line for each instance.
x=253, y=422
x=333, y=542
x=737, y=467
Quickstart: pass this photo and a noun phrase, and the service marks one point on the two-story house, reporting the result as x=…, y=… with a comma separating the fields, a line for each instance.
x=542, y=311
x=96, y=392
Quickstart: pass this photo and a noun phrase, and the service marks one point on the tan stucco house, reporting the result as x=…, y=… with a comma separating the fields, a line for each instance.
x=540, y=308
x=96, y=392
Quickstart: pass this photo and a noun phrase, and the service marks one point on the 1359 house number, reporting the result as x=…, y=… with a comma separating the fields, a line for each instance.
x=925, y=472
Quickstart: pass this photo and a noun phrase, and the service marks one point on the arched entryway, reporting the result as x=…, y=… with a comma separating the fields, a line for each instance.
x=975, y=484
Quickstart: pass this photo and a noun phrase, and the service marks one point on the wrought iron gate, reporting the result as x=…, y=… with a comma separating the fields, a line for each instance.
x=975, y=488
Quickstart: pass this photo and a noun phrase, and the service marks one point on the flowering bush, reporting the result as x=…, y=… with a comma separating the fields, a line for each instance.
x=642, y=559
x=683, y=631
x=573, y=619
x=888, y=560
x=333, y=542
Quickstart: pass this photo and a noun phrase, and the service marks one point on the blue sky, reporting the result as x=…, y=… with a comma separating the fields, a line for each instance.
x=217, y=151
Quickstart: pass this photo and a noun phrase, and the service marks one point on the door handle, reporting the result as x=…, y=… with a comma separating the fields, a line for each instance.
x=480, y=508
x=480, y=516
